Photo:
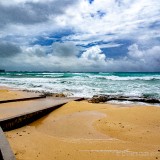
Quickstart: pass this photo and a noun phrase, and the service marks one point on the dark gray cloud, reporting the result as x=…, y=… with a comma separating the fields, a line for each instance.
x=67, y=49
x=54, y=7
x=8, y=50
x=19, y=14
x=31, y=12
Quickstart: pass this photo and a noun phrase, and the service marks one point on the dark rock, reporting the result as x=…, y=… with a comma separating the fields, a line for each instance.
x=54, y=94
x=105, y=98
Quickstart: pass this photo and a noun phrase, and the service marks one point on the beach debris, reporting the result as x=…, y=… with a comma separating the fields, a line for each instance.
x=105, y=98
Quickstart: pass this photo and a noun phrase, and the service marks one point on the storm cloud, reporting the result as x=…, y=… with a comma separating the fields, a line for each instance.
x=30, y=13
x=8, y=50
x=66, y=50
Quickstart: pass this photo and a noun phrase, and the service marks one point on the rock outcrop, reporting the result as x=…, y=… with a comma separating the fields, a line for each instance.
x=105, y=98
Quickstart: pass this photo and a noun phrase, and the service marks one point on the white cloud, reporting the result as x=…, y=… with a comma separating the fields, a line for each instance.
x=134, y=52
x=94, y=54
x=125, y=19
x=110, y=45
x=121, y=20
x=149, y=58
x=36, y=58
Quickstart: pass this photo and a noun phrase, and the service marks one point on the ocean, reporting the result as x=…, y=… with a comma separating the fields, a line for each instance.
x=85, y=84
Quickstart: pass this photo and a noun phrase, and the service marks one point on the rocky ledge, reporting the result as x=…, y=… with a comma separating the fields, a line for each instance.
x=105, y=98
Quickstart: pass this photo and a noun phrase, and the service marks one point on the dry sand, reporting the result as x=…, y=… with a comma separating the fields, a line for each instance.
x=84, y=131
x=7, y=93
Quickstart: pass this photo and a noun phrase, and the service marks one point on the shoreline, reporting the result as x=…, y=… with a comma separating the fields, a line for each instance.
x=89, y=99
x=89, y=131
x=87, y=84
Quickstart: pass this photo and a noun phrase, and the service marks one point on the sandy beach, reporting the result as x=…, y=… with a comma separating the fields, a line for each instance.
x=7, y=93
x=81, y=130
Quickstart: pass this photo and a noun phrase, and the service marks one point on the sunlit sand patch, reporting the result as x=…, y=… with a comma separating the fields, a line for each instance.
x=75, y=126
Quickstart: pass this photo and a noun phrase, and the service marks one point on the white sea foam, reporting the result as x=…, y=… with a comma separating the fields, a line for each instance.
x=85, y=84
x=116, y=78
x=131, y=103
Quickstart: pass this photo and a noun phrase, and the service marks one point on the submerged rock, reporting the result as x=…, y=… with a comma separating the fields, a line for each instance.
x=105, y=98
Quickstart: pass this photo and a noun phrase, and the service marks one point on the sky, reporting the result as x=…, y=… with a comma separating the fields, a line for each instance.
x=80, y=35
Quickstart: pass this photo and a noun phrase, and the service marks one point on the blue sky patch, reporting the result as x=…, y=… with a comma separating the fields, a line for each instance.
x=53, y=37
x=90, y=1
x=117, y=52
x=155, y=25
x=101, y=14
x=43, y=41
x=113, y=52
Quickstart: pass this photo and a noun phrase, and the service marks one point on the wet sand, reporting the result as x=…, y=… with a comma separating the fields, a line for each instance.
x=81, y=130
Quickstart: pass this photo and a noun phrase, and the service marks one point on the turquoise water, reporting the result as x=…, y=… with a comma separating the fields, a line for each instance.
x=86, y=84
